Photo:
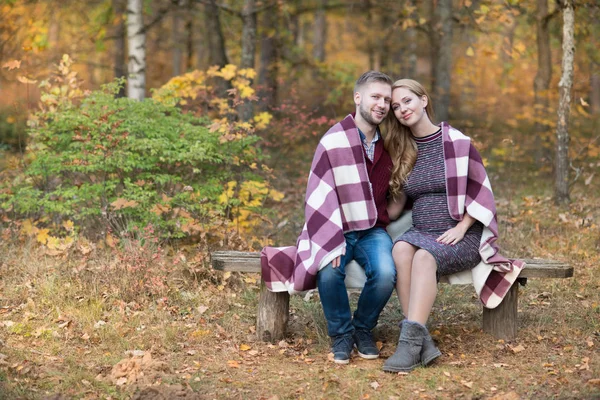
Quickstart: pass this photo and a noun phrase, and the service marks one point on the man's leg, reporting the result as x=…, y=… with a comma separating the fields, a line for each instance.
x=373, y=252
x=336, y=307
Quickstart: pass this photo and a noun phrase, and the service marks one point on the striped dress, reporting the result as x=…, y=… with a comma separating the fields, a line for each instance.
x=426, y=186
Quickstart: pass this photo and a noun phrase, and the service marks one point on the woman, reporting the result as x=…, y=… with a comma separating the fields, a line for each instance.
x=445, y=238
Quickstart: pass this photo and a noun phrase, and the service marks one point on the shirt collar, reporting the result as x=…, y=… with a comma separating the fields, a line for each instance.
x=363, y=138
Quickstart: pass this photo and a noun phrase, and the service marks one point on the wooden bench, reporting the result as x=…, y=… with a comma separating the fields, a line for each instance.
x=273, y=308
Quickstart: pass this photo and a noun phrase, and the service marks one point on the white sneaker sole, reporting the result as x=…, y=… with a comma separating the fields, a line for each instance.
x=368, y=356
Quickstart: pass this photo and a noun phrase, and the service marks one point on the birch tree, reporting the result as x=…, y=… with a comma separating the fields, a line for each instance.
x=564, y=105
x=136, y=43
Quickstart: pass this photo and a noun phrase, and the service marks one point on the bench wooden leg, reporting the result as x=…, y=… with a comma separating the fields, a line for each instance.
x=501, y=322
x=272, y=315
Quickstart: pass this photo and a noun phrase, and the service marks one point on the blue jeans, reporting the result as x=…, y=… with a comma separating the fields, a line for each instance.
x=372, y=249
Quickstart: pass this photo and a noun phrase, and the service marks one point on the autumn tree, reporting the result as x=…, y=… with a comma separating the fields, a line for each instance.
x=136, y=46
x=541, y=84
x=441, y=56
x=564, y=105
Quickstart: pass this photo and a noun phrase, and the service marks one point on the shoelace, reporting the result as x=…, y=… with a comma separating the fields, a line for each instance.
x=363, y=336
x=343, y=340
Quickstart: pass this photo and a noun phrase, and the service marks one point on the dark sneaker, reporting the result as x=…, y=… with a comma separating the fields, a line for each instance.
x=342, y=348
x=365, y=344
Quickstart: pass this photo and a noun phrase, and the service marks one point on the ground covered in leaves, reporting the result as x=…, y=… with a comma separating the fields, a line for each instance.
x=72, y=327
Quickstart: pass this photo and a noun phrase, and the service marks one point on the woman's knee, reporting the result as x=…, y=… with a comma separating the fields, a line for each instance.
x=424, y=259
x=403, y=253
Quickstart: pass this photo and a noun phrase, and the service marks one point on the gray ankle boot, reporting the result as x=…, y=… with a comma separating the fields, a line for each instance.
x=408, y=354
x=429, y=352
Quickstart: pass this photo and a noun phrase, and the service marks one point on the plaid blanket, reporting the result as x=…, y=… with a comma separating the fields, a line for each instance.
x=468, y=188
x=338, y=199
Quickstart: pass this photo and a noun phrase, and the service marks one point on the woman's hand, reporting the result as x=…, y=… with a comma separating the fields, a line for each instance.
x=452, y=236
x=456, y=234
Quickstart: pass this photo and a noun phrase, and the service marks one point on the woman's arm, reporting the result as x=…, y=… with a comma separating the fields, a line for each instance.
x=395, y=207
x=456, y=234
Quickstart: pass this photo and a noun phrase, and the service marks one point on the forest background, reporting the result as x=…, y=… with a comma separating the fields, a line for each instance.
x=114, y=191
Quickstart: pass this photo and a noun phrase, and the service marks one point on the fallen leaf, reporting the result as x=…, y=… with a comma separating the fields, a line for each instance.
x=24, y=79
x=595, y=381
x=13, y=64
x=99, y=324
x=517, y=349
x=374, y=385
x=467, y=383
x=447, y=374
x=233, y=364
x=244, y=347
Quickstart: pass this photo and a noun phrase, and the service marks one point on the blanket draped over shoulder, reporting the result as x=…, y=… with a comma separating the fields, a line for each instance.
x=338, y=199
x=468, y=189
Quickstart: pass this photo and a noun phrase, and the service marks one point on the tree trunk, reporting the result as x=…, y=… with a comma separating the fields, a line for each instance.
x=507, y=51
x=189, y=36
x=248, y=50
x=269, y=58
x=441, y=57
x=320, y=32
x=54, y=30
x=176, y=21
x=594, y=88
x=120, y=69
x=214, y=36
x=541, y=84
x=594, y=69
x=411, y=38
x=564, y=105
x=136, y=41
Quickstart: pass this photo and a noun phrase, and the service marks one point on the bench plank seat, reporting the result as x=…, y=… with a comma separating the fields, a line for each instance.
x=273, y=308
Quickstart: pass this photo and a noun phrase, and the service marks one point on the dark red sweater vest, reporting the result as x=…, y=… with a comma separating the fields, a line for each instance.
x=380, y=171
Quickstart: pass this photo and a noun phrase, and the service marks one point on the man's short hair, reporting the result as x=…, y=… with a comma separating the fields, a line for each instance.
x=370, y=77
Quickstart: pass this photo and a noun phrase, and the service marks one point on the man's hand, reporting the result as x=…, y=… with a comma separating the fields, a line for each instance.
x=338, y=260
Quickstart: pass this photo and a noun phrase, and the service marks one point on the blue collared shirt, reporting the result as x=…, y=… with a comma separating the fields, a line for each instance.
x=369, y=148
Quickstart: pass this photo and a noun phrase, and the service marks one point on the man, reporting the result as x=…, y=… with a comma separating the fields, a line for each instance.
x=346, y=216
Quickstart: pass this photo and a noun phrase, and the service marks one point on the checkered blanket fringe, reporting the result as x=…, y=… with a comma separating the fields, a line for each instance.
x=468, y=188
x=338, y=199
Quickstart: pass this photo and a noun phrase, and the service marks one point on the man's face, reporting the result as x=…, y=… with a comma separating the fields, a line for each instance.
x=373, y=102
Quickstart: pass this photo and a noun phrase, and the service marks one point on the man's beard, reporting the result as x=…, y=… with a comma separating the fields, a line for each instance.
x=366, y=115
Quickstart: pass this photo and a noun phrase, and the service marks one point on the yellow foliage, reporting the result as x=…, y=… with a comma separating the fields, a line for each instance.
x=249, y=73
x=262, y=120
x=276, y=195
x=182, y=87
x=42, y=236
x=28, y=228
x=251, y=196
x=246, y=92
x=228, y=72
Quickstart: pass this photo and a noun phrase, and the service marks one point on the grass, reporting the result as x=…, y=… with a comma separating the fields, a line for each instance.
x=67, y=320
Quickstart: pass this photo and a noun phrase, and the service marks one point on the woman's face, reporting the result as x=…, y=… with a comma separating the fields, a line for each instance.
x=408, y=108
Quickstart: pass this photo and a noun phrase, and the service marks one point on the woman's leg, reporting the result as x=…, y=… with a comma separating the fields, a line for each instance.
x=403, y=254
x=423, y=286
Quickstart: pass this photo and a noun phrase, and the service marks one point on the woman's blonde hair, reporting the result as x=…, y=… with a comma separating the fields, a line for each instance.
x=399, y=140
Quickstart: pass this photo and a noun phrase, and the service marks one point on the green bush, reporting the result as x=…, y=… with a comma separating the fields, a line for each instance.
x=13, y=136
x=115, y=165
